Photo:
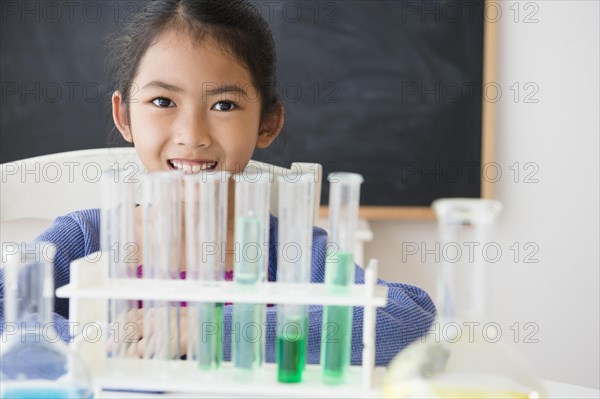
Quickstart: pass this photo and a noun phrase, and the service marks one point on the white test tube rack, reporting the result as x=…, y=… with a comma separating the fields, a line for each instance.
x=90, y=290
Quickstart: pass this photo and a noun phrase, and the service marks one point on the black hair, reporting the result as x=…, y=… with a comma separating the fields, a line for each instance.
x=236, y=25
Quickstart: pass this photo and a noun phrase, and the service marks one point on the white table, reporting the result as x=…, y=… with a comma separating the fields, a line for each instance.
x=555, y=390
x=563, y=390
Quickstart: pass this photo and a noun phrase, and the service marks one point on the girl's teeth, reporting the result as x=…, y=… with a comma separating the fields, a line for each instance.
x=195, y=168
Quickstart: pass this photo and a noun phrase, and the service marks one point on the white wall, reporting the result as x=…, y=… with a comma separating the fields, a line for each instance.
x=559, y=213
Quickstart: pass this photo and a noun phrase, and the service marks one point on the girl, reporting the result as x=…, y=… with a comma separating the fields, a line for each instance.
x=194, y=91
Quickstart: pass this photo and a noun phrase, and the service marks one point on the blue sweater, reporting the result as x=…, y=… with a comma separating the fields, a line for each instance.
x=407, y=316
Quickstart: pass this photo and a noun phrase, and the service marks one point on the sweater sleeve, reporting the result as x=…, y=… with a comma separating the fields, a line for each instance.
x=407, y=315
x=74, y=235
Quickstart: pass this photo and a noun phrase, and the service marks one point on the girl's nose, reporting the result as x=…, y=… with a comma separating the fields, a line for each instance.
x=193, y=132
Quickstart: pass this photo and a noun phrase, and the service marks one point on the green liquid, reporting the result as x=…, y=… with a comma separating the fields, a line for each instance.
x=335, y=343
x=210, y=345
x=336, y=338
x=291, y=353
x=305, y=346
x=339, y=270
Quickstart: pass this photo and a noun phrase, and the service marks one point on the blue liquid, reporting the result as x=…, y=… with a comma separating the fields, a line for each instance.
x=247, y=336
x=249, y=256
x=247, y=348
x=43, y=390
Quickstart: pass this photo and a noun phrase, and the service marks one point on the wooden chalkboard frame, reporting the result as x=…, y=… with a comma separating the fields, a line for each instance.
x=487, y=142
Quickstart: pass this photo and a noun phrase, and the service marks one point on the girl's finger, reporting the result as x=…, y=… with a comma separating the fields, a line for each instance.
x=136, y=349
x=148, y=350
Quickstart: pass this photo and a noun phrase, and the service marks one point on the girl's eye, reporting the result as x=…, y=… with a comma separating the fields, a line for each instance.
x=163, y=102
x=224, y=106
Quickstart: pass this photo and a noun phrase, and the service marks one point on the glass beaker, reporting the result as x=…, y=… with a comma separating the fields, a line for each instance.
x=34, y=361
x=462, y=356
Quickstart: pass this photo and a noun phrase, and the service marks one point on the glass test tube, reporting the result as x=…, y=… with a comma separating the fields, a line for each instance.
x=252, y=197
x=162, y=238
x=205, y=237
x=118, y=243
x=296, y=214
x=344, y=198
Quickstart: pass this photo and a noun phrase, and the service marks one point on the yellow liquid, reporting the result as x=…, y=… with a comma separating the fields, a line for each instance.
x=468, y=393
x=460, y=386
x=457, y=392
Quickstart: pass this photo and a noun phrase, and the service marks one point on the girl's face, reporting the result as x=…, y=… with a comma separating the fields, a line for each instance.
x=193, y=107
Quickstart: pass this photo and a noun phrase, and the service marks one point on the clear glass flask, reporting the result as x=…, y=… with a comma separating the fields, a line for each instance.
x=462, y=355
x=34, y=361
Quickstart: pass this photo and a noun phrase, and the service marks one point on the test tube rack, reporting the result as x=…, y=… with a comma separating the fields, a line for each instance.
x=90, y=289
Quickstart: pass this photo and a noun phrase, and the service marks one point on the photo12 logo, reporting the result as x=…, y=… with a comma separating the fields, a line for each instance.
x=453, y=12
x=490, y=332
x=469, y=252
x=315, y=12
x=41, y=11
x=35, y=252
x=67, y=172
x=51, y=92
x=422, y=172
x=451, y=92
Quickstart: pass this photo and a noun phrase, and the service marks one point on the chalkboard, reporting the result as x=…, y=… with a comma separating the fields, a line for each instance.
x=55, y=95
x=388, y=89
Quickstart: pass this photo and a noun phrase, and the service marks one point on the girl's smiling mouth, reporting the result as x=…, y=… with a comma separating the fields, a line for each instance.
x=189, y=166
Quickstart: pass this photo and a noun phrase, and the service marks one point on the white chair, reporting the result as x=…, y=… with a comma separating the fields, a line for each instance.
x=37, y=190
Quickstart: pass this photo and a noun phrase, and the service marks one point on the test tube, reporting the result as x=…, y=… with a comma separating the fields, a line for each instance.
x=250, y=268
x=162, y=238
x=205, y=238
x=344, y=199
x=296, y=219
x=118, y=243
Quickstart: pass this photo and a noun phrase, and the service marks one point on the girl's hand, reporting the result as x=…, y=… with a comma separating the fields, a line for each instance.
x=150, y=333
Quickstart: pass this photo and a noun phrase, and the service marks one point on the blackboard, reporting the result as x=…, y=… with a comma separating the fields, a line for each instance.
x=388, y=89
